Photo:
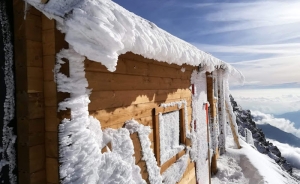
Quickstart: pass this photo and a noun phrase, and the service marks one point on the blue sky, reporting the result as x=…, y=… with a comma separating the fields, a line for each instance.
x=261, y=38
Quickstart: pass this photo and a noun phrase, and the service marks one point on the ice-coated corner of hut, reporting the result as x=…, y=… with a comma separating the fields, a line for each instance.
x=105, y=96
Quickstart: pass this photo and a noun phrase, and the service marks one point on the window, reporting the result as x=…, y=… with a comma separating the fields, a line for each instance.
x=169, y=134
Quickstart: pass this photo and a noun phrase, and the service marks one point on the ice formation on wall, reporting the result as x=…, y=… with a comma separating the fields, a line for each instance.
x=81, y=138
x=181, y=103
x=148, y=155
x=7, y=151
x=214, y=123
x=169, y=124
x=102, y=30
x=199, y=151
x=222, y=113
x=175, y=172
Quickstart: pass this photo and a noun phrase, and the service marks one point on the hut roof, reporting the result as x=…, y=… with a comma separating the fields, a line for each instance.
x=101, y=30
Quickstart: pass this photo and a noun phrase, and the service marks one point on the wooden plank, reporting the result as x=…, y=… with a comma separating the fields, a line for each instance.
x=50, y=93
x=146, y=121
x=182, y=126
x=32, y=178
x=35, y=79
x=30, y=105
x=99, y=81
x=167, y=109
x=26, y=126
x=47, y=23
x=190, y=177
x=171, y=161
x=142, y=165
x=48, y=66
x=35, y=105
x=36, y=158
x=51, y=144
x=156, y=136
x=23, y=157
x=110, y=99
x=34, y=53
x=133, y=67
x=113, y=116
x=30, y=132
x=52, y=170
x=33, y=29
x=211, y=99
x=48, y=38
x=21, y=79
x=233, y=130
x=60, y=41
x=38, y=177
x=51, y=119
x=132, y=56
x=145, y=176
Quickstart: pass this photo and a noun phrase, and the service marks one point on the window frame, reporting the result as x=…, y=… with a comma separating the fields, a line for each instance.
x=182, y=134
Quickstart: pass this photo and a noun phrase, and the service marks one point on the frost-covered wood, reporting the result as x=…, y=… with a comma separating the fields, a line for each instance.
x=199, y=134
x=102, y=30
x=81, y=138
x=222, y=111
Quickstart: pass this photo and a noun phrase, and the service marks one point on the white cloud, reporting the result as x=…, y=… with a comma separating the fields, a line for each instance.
x=241, y=16
x=291, y=154
x=271, y=71
x=280, y=49
x=281, y=123
x=272, y=101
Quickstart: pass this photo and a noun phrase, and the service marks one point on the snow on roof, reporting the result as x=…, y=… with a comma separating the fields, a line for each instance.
x=101, y=30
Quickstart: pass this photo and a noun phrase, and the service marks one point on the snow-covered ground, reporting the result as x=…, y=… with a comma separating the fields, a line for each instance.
x=247, y=165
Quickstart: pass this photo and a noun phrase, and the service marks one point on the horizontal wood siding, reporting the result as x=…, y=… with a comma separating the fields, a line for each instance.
x=138, y=86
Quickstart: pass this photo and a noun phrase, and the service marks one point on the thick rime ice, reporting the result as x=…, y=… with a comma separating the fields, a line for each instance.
x=222, y=112
x=102, y=30
x=175, y=172
x=8, y=153
x=81, y=138
x=180, y=104
x=169, y=134
x=214, y=125
x=148, y=156
x=199, y=150
x=169, y=124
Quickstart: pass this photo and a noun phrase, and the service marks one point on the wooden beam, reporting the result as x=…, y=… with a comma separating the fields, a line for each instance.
x=234, y=133
x=44, y=1
x=213, y=114
x=156, y=136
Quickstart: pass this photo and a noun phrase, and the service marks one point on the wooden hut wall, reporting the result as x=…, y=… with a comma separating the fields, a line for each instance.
x=36, y=43
x=137, y=87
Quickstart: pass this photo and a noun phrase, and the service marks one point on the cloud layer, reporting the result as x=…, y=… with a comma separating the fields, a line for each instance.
x=270, y=101
x=249, y=15
x=281, y=123
x=291, y=154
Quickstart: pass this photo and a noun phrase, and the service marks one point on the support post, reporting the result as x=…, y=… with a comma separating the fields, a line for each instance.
x=233, y=130
x=213, y=114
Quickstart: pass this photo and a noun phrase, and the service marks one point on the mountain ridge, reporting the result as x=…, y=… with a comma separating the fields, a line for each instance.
x=272, y=132
x=292, y=116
